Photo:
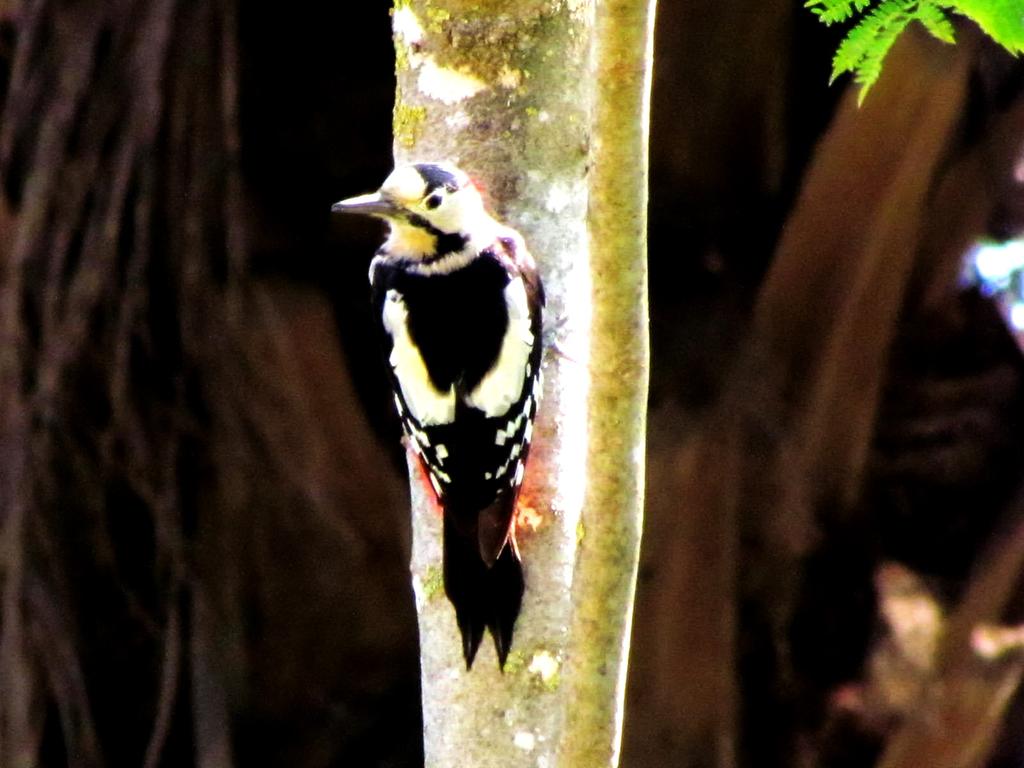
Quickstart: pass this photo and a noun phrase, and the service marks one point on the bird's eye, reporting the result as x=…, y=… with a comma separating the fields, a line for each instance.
x=433, y=201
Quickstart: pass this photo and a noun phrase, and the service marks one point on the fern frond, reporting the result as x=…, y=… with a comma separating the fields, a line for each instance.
x=869, y=68
x=936, y=22
x=867, y=44
x=1002, y=20
x=869, y=41
x=830, y=12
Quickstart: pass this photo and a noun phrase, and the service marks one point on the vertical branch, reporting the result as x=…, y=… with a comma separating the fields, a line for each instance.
x=502, y=89
x=605, y=577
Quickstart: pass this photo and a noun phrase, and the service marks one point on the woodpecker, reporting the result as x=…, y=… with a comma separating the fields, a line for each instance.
x=459, y=302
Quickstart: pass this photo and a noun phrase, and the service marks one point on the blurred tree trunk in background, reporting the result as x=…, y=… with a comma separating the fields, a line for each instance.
x=196, y=520
x=770, y=552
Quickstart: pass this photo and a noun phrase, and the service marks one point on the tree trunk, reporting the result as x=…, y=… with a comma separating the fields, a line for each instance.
x=189, y=490
x=505, y=90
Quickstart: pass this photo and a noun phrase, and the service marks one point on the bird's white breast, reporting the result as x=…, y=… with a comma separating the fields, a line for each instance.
x=427, y=404
x=502, y=386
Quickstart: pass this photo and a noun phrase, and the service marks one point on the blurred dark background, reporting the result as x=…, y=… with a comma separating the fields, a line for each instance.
x=201, y=485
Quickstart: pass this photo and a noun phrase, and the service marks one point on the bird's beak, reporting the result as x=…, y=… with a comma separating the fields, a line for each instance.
x=373, y=204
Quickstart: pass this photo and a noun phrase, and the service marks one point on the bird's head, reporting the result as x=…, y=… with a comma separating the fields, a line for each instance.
x=430, y=207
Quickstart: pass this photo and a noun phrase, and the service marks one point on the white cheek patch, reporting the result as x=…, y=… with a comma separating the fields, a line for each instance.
x=426, y=404
x=501, y=387
x=463, y=211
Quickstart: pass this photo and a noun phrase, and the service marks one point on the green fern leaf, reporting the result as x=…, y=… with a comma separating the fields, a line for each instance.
x=936, y=22
x=866, y=45
x=851, y=51
x=870, y=40
x=1002, y=20
x=830, y=12
x=870, y=67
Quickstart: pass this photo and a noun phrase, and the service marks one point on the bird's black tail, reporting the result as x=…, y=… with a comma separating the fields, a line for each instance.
x=484, y=597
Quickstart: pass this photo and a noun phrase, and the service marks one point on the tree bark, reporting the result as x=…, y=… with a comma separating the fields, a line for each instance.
x=504, y=90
